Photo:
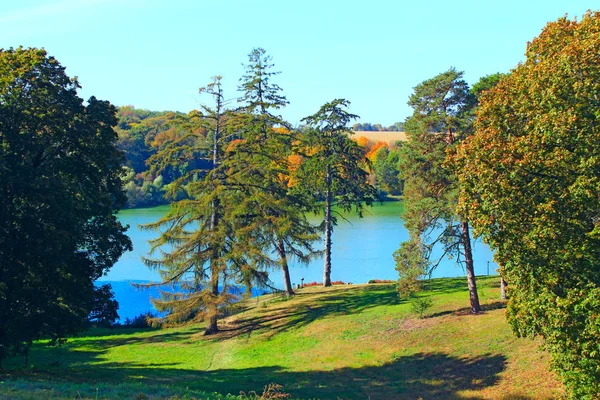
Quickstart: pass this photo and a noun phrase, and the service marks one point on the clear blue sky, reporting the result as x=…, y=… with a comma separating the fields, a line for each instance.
x=155, y=54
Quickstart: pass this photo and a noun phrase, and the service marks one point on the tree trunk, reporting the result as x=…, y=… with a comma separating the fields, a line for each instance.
x=287, y=282
x=328, y=229
x=466, y=238
x=211, y=326
x=212, y=308
x=502, y=288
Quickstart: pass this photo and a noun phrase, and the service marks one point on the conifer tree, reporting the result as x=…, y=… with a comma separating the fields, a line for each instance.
x=276, y=219
x=334, y=169
x=442, y=117
x=200, y=255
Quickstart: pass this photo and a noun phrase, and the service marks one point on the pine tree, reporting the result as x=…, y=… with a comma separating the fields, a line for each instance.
x=200, y=250
x=334, y=169
x=442, y=117
x=276, y=219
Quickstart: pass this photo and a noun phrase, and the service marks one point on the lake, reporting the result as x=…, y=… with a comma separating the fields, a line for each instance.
x=362, y=250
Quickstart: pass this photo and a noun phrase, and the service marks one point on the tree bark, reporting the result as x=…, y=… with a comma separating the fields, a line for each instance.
x=502, y=288
x=212, y=326
x=287, y=282
x=466, y=238
x=328, y=229
x=212, y=308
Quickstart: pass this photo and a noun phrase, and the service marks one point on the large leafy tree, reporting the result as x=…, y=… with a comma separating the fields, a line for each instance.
x=60, y=185
x=530, y=185
x=334, y=169
x=442, y=117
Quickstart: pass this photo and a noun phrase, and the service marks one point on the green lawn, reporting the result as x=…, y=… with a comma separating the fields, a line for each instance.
x=355, y=341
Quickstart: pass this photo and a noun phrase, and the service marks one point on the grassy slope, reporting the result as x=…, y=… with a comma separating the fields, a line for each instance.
x=351, y=342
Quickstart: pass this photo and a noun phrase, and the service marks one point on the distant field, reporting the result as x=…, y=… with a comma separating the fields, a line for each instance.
x=389, y=137
x=348, y=342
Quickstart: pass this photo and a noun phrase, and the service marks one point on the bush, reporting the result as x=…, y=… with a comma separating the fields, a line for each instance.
x=420, y=305
x=320, y=283
x=138, y=322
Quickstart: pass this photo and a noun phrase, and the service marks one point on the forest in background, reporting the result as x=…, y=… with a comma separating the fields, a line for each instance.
x=142, y=132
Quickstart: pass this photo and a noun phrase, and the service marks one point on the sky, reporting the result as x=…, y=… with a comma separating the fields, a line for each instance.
x=155, y=54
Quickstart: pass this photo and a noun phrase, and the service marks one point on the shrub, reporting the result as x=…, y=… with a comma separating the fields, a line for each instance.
x=420, y=305
x=320, y=283
x=381, y=281
x=139, y=321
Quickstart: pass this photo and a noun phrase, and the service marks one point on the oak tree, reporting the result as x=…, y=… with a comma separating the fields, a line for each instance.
x=529, y=182
x=60, y=187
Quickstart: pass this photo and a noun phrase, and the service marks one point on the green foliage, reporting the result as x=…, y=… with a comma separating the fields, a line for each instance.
x=529, y=181
x=386, y=168
x=334, y=168
x=411, y=265
x=486, y=83
x=60, y=186
x=104, y=311
x=141, y=134
x=442, y=117
x=200, y=254
x=420, y=305
x=275, y=219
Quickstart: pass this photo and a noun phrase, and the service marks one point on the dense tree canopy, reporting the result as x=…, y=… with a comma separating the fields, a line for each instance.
x=60, y=185
x=530, y=185
x=141, y=134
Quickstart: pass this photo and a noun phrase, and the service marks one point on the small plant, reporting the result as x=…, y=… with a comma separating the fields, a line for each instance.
x=139, y=321
x=320, y=283
x=272, y=391
x=420, y=305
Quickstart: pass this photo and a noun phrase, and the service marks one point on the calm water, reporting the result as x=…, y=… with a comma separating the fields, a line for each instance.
x=362, y=250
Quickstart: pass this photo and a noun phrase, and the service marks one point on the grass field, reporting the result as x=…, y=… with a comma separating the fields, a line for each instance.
x=344, y=342
x=389, y=137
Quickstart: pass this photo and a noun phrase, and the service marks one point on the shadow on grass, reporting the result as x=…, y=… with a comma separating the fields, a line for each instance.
x=426, y=375
x=496, y=305
x=100, y=338
x=307, y=308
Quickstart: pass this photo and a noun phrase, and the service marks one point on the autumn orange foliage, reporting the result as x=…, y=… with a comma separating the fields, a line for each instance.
x=373, y=151
x=363, y=141
x=233, y=144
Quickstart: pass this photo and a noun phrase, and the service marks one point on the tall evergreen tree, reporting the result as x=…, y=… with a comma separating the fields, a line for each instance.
x=334, y=169
x=276, y=219
x=442, y=118
x=199, y=240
